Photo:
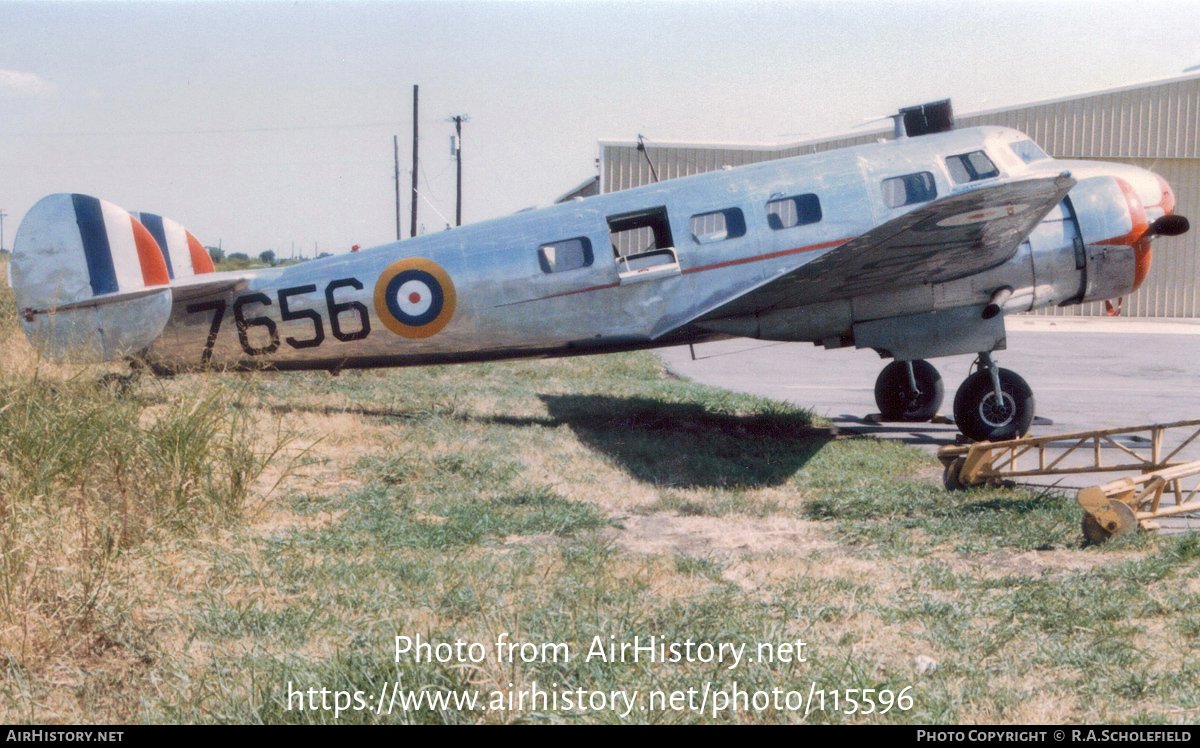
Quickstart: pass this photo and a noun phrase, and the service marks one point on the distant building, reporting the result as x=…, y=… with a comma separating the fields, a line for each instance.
x=587, y=189
x=1155, y=125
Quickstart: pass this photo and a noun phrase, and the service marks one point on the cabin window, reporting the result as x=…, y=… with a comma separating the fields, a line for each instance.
x=909, y=189
x=718, y=226
x=971, y=167
x=640, y=232
x=569, y=254
x=1028, y=151
x=789, y=212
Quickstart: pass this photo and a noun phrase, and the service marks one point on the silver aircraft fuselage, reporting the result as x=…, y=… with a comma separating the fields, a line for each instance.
x=487, y=291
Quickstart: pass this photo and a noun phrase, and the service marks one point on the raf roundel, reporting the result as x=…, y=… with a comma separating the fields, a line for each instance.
x=414, y=298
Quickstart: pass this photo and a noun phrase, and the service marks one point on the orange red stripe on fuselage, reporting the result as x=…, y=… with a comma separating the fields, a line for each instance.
x=700, y=269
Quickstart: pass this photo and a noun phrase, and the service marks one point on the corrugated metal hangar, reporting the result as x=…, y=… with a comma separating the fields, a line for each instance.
x=1154, y=125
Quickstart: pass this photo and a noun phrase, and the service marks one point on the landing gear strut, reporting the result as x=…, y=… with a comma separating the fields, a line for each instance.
x=909, y=391
x=993, y=404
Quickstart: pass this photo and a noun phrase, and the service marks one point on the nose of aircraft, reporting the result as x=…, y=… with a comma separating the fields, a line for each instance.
x=1152, y=207
x=1167, y=224
x=1167, y=200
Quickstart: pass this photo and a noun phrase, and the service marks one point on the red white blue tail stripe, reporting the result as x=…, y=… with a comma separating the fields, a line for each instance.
x=184, y=253
x=70, y=248
x=120, y=254
x=90, y=280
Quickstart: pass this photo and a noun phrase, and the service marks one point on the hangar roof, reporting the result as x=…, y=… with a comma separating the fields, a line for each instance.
x=1152, y=119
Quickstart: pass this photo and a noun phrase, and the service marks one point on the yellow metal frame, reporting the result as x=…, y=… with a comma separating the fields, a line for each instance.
x=1113, y=508
x=1144, y=496
x=990, y=462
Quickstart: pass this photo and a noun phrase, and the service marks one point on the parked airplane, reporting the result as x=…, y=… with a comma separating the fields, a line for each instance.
x=916, y=247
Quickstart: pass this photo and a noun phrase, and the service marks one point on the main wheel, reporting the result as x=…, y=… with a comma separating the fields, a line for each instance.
x=897, y=401
x=981, y=416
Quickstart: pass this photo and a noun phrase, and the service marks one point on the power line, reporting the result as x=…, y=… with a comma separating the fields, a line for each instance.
x=159, y=163
x=429, y=191
x=431, y=205
x=221, y=131
x=429, y=182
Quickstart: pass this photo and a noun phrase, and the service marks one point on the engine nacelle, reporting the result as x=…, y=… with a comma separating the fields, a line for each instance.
x=1112, y=219
x=1111, y=272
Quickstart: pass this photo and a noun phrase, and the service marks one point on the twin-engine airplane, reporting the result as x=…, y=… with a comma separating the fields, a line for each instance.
x=916, y=247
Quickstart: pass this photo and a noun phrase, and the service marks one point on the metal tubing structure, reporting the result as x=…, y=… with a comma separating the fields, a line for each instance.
x=985, y=462
x=1112, y=508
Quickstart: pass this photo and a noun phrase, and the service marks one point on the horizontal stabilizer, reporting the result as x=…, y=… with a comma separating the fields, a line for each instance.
x=105, y=328
x=90, y=281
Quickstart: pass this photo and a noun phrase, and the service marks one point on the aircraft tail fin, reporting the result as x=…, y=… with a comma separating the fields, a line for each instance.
x=183, y=252
x=90, y=280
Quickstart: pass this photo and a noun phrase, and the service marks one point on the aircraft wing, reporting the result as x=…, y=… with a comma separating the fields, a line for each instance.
x=941, y=241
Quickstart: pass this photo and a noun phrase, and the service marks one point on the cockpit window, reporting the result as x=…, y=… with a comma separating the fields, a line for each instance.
x=971, y=167
x=1028, y=151
x=909, y=189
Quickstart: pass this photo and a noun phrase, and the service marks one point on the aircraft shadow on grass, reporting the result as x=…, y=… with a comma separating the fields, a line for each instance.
x=686, y=445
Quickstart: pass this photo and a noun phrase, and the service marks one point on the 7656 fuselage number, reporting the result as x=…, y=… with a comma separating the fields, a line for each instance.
x=348, y=320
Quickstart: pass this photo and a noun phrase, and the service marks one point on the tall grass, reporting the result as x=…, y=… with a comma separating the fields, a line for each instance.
x=88, y=472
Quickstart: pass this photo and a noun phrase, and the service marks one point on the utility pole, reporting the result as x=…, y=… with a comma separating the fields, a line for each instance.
x=458, y=121
x=396, y=155
x=2, y=215
x=414, y=164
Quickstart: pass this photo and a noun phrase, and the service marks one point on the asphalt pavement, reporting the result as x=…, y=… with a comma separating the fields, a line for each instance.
x=1086, y=373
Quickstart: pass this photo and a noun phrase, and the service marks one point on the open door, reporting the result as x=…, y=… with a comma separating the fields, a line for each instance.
x=642, y=245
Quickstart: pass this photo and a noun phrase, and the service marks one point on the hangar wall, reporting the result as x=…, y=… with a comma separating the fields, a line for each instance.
x=1155, y=125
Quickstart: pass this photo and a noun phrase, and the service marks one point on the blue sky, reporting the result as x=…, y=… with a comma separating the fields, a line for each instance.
x=265, y=124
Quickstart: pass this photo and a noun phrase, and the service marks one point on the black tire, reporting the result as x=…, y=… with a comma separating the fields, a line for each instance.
x=951, y=475
x=977, y=415
x=1094, y=532
x=897, y=401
